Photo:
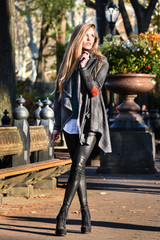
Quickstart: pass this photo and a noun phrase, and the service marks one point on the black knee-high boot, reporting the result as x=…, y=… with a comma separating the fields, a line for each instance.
x=73, y=183
x=86, y=220
x=82, y=152
x=61, y=221
x=82, y=194
x=71, y=189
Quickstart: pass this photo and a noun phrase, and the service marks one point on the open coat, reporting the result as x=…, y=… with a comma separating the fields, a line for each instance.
x=90, y=102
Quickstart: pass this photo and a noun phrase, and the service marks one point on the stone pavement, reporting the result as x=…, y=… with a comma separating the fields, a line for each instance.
x=123, y=207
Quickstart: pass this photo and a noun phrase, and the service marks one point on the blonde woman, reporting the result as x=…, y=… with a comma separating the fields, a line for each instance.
x=80, y=114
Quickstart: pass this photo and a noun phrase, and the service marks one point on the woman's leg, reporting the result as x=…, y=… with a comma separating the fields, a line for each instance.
x=72, y=142
x=80, y=154
x=77, y=174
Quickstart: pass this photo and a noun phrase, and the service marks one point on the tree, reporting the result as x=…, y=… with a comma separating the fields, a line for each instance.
x=7, y=68
x=156, y=18
x=42, y=51
x=156, y=26
x=143, y=14
x=53, y=25
x=19, y=43
x=126, y=21
x=102, y=24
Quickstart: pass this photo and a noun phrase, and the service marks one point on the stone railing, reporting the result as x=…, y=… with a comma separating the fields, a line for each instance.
x=24, y=144
x=151, y=119
x=27, y=158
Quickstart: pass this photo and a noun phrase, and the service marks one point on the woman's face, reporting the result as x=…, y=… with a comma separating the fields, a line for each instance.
x=88, y=39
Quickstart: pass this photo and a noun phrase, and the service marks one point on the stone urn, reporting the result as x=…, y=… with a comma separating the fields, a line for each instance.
x=129, y=85
x=133, y=145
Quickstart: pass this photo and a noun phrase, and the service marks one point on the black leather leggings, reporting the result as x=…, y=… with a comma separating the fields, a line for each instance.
x=77, y=181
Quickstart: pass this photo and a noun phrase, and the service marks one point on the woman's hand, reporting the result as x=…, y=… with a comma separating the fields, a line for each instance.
x=84, y=59
x=55, y=135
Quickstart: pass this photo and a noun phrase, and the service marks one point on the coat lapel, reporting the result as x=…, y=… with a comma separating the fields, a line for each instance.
x=67, y=94
x=67, y=87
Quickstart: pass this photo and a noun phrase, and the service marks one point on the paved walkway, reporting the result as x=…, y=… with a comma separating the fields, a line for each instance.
x=123, y=207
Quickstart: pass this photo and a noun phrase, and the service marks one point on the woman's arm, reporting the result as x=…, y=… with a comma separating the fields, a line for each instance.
x=57, y=110
x=94, y=85
x=55, y=135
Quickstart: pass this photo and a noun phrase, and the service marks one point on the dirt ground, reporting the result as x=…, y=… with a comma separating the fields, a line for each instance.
x=122, y=207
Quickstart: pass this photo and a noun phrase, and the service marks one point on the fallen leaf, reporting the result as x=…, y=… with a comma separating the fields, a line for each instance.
x=103, y=193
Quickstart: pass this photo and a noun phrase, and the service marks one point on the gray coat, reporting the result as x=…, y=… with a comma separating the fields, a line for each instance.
x=90, y=102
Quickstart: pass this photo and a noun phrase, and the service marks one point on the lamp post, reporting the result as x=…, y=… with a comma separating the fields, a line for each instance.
x=111, y=12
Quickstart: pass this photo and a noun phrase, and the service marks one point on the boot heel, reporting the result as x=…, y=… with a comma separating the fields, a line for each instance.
x=61, y=222
x=61, y=232
x=86, y=220
x=86, y=229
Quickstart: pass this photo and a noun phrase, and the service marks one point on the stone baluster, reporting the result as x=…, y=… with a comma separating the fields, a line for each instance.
x=145, y=116
x=47, y=116
x=0, y=120
x=6, y=119
x=154, y=122
x=20, y=115
x=36, y=113
x=47, y=119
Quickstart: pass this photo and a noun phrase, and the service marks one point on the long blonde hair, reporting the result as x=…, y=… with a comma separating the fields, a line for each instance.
x=74, y=51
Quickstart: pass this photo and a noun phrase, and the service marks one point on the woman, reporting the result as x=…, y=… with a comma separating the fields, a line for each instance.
x=80, y=113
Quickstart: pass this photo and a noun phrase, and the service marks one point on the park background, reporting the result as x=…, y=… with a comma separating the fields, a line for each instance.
x=34, y=35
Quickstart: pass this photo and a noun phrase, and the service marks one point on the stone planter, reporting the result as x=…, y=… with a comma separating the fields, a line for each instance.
x=129, y=85
x=133, y=145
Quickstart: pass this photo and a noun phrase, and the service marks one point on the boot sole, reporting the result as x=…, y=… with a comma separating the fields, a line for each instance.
x=86, y=229
x=61, y=232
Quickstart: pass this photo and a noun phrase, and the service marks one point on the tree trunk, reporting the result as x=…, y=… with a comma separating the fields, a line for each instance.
x=102, y=24
x=126, y=21
x=41, y=77
x=7, y=61
x=33, y=47
x=60, y=39
x=143, y=14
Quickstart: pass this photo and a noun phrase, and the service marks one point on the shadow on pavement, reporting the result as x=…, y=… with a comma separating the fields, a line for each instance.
x=124, y=188
x=133, y=183
x=131, y=188
x=115, y=225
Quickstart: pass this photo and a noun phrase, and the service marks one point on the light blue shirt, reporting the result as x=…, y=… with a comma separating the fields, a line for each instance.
x=71, y=127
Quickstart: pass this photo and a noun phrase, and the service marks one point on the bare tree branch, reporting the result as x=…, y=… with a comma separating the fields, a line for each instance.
x=143, y=14
x=125, y=17
x=90, y=4
x=137, y=6
x=150, y=9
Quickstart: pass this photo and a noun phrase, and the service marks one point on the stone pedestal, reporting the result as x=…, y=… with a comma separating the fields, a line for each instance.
x=21, y=189
x=20, y=115
x=47, y=120
x=132, y=152
x=133, y=146
x=46, y=183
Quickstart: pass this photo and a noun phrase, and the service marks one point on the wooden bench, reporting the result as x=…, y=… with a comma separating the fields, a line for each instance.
x=38, y=138
x=36, y=168
x=10, y=141
x=11, y=144
x=21, y=180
